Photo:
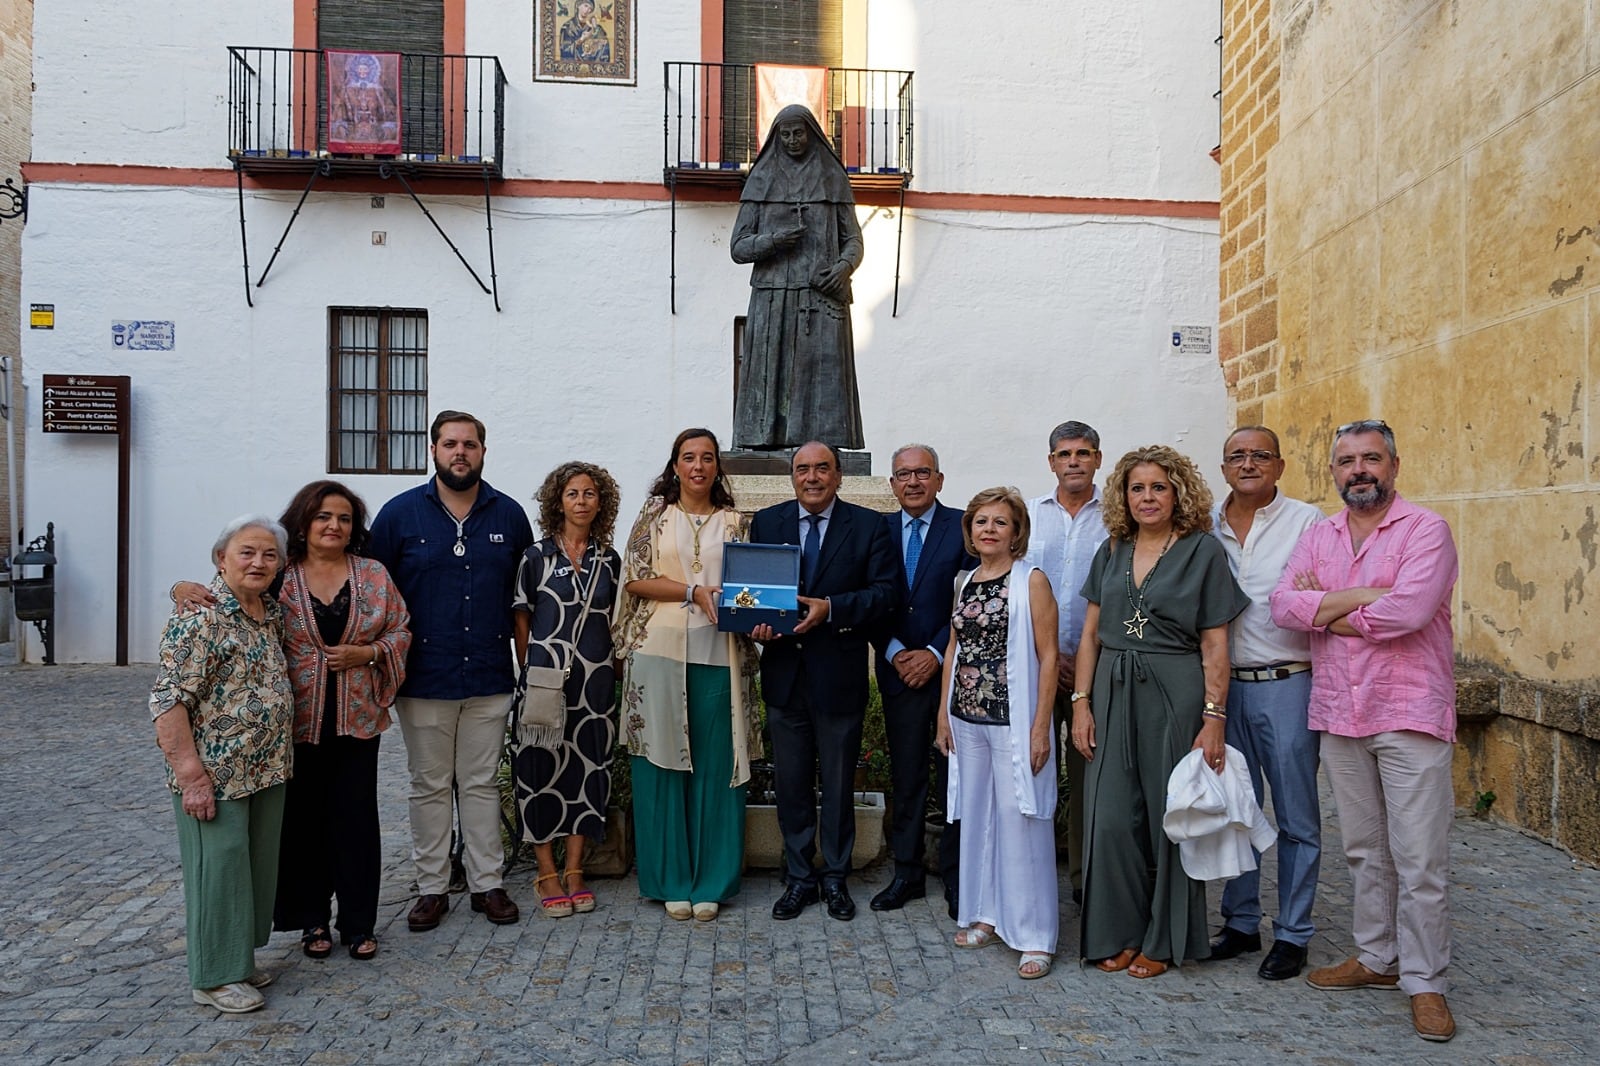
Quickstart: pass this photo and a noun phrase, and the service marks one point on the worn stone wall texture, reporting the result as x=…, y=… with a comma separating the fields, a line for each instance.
x=16, y=101
x=1247, y=343
x=1431, y=232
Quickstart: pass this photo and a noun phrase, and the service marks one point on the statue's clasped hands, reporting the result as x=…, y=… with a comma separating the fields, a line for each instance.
x=832, y=281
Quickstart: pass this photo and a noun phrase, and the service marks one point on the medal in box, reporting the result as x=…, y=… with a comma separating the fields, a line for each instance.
x=760, y=584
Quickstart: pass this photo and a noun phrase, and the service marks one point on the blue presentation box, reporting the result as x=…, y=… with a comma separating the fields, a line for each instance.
x=760, y=584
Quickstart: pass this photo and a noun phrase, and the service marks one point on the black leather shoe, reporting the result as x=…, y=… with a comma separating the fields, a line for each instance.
x=1230, y=944
x=900, y=892
x=840, y=905
x=496, y=906
x=1284, y=961
x=952, y=901
x=795, y=899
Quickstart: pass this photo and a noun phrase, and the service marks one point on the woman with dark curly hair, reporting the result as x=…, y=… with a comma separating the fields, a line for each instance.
x=566, y=588
x=1155, y=655
x=688, y=690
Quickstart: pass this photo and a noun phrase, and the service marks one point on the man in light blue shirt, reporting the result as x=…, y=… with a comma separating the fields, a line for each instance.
x=1067, y=529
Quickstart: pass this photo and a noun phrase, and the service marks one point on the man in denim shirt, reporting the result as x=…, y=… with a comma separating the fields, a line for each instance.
x=452, y=546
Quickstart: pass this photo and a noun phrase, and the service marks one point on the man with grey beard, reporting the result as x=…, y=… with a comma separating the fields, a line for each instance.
x=1372, y=586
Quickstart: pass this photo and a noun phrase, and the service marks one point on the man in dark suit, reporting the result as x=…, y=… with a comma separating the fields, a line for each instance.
x=911, y=647
x=815, y=682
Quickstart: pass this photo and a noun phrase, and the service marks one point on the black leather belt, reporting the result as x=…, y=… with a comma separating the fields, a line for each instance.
x=1268, y=673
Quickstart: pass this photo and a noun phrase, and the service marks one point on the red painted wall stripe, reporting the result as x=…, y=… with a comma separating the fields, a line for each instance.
x=219, y=178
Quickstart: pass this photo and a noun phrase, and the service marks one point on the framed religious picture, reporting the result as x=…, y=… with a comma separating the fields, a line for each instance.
x=364, y=102
x=584, y=41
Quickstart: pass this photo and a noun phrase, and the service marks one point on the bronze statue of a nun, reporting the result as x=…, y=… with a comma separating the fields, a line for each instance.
x=797, y=224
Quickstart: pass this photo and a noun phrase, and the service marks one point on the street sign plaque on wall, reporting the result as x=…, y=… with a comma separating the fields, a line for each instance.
x=85, y=403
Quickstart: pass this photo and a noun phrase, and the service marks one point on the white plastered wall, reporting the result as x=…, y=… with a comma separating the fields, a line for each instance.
x=1009, y=322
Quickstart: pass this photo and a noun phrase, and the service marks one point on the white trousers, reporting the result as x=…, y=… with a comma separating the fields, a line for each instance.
x=456, y=741
x=1008, y=861
x=1396, y=805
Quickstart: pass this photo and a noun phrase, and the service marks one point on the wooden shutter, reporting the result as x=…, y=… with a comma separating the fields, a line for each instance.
x=802, y=33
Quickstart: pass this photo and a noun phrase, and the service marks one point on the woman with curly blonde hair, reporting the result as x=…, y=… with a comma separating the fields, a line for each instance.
x=1151, y=684
x=566, y=588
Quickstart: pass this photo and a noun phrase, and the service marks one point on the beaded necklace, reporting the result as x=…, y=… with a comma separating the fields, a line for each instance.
x=1139, y=620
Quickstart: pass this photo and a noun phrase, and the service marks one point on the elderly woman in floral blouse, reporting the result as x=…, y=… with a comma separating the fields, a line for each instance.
x=223, y=708
x=346, y=637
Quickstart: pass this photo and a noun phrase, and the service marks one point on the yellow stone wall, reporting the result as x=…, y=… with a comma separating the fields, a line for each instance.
x=1429, y=243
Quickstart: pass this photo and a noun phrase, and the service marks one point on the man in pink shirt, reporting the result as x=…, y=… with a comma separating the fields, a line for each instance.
x=1372, y=586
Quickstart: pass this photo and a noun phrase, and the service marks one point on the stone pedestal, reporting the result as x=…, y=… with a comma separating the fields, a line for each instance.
x=763, y=841
x=755, y=491
x=749, y=461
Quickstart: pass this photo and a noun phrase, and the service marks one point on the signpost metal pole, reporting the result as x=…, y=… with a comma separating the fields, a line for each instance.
x=124, y=448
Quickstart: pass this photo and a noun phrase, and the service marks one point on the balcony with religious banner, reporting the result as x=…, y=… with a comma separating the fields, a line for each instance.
x=716, y=114
x=326, y=114
x=291, y=109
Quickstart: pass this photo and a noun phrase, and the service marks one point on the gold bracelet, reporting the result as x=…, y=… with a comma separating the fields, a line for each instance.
x=1079, y=695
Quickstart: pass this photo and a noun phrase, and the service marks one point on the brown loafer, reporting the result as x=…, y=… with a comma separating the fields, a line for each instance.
x=427, y=913
x=496, y=906
x=1349, y=974
x=1430, y=1014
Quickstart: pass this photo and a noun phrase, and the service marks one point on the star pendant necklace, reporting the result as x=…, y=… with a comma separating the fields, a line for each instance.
x=1139, y=620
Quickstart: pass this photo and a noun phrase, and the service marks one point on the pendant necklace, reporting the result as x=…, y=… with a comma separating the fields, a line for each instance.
x=461, y=530
x=698, y=522
x=576, y=557
x=1139, y=620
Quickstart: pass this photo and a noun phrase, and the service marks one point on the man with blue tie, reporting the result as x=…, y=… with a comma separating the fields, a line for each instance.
x=815, y=682
x=911, y=648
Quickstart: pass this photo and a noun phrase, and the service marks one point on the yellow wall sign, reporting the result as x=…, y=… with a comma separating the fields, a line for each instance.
x=41, y=316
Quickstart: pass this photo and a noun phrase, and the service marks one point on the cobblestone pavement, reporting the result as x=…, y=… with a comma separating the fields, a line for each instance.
x=92, y=954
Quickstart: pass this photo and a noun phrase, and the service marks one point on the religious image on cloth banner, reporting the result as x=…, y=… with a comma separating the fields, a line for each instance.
x=364, y=102
x=584, y=40
x=778, y=86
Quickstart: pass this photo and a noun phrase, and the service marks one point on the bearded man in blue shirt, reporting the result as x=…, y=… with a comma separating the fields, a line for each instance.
x=452, y=545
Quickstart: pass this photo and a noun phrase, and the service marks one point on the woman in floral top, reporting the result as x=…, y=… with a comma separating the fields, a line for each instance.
x=995, y=718
x=223, y=710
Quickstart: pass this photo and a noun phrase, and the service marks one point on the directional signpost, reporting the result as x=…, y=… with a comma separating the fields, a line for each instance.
x=98, y=403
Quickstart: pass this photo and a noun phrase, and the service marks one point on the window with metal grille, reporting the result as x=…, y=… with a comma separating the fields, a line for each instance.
x=378, y=390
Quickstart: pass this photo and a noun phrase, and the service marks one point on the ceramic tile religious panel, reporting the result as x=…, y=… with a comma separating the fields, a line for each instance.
x=584, y=40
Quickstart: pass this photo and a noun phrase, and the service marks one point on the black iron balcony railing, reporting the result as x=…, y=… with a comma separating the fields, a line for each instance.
x=711, y=133
x=451, y=115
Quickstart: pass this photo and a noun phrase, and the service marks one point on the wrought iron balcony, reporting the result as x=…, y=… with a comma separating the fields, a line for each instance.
x=711, y=133
x=437, y=116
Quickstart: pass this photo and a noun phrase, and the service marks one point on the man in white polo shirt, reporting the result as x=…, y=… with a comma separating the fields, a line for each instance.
x=1267, y=697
